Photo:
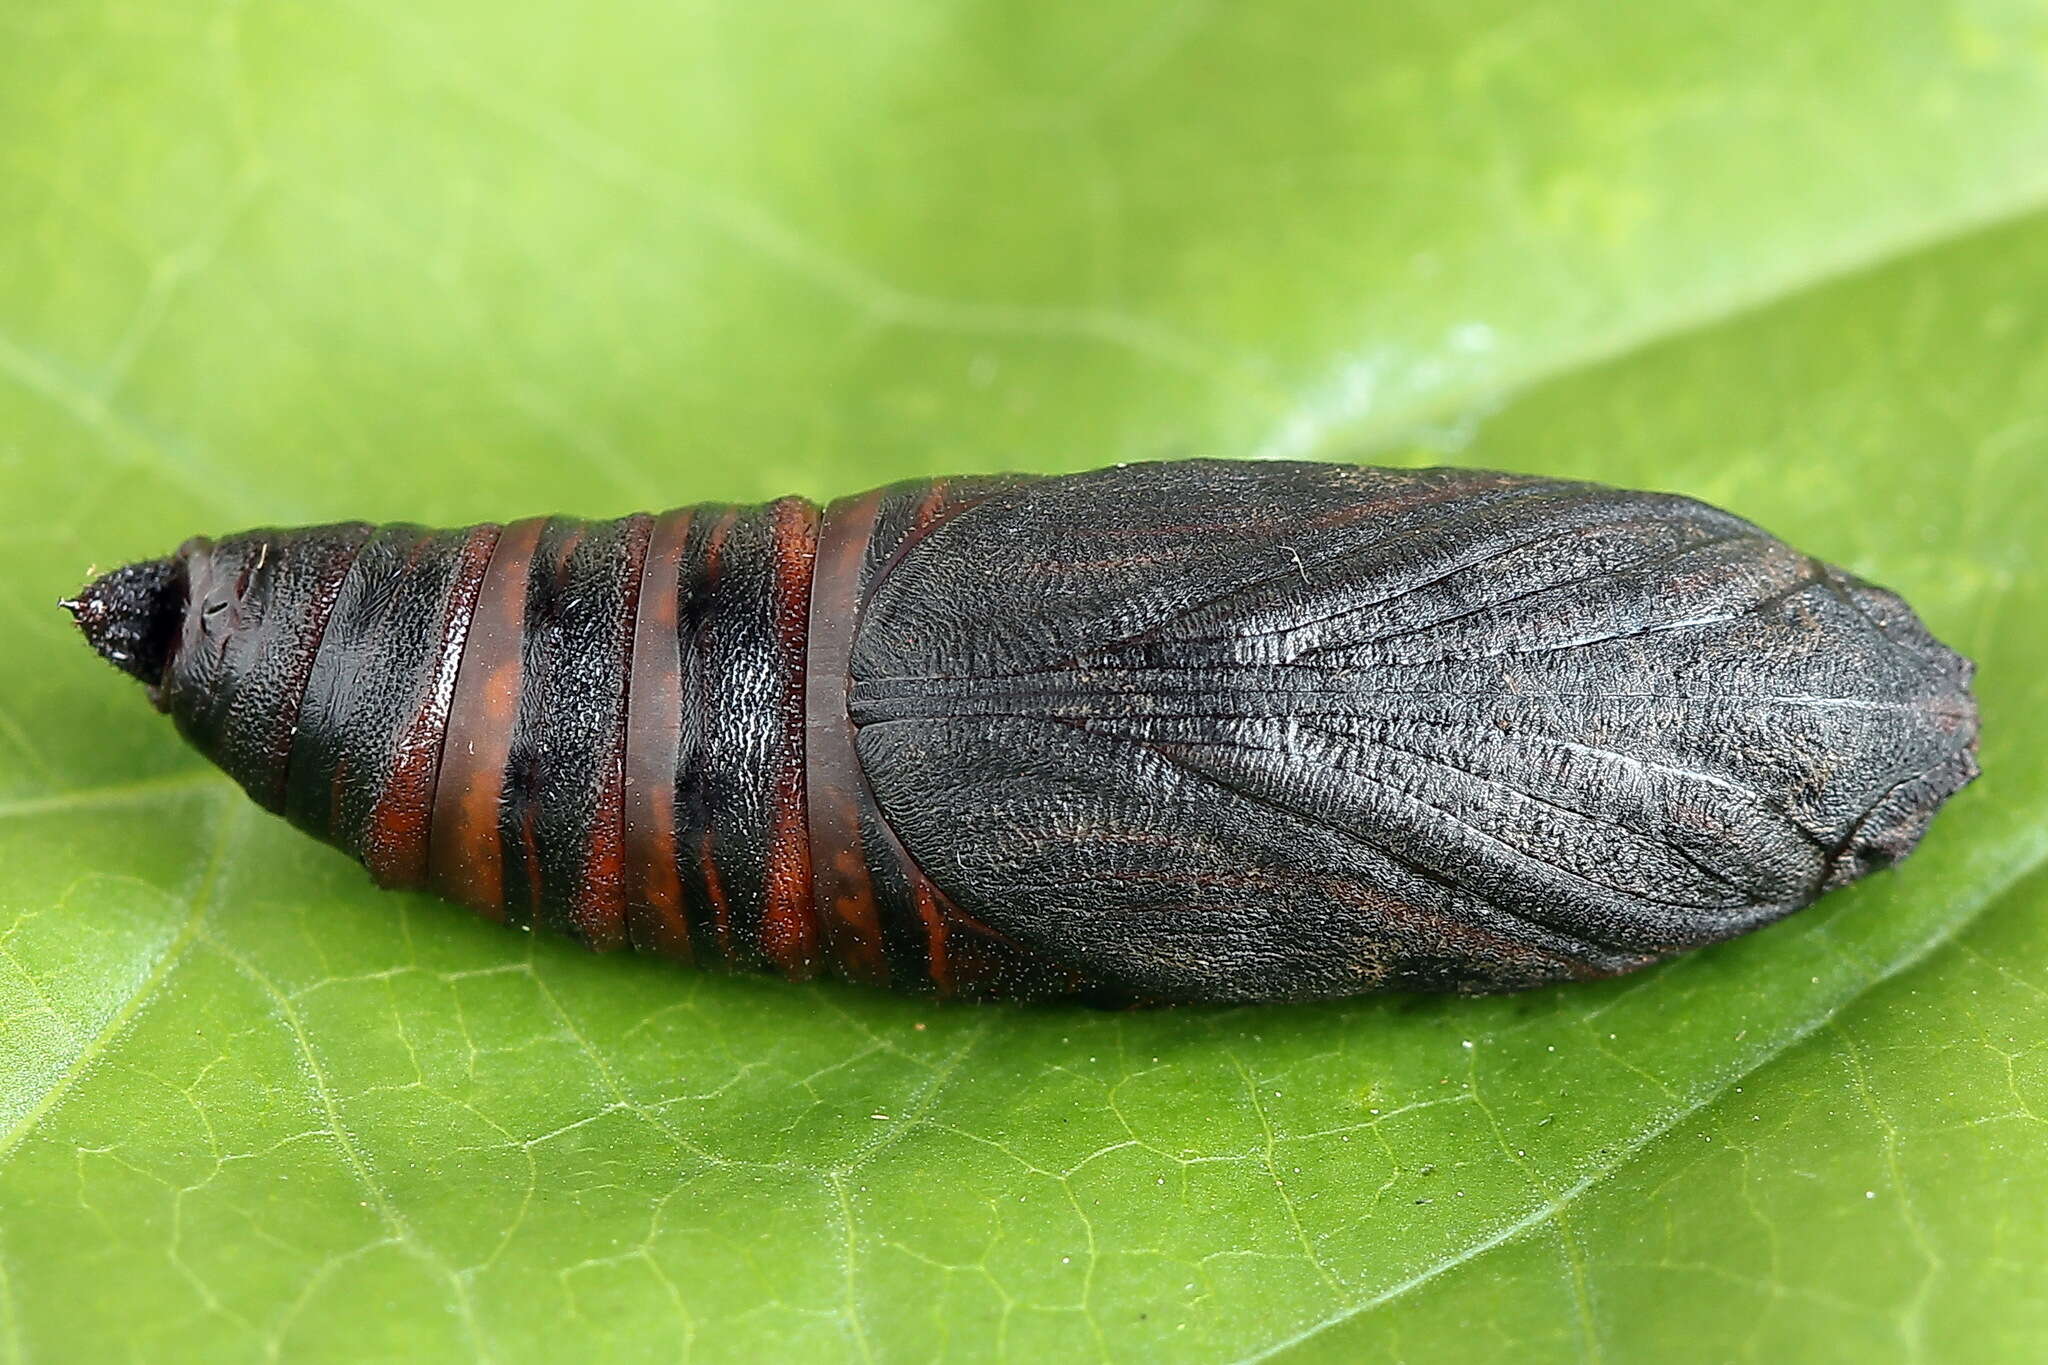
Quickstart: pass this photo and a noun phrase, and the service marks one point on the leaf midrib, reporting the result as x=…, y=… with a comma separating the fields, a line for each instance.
x=2024, y=855
x=228, y=825
x=1596, y=351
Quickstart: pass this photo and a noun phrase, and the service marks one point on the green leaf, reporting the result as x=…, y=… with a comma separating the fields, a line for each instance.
x=448, y=260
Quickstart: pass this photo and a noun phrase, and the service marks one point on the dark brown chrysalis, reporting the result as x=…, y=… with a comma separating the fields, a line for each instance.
x=1187, y=731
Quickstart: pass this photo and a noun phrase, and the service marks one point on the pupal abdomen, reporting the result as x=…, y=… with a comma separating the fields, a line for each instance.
x=1184, y=731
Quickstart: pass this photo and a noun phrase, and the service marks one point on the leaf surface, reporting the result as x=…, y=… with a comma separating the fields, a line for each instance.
x=449, y=261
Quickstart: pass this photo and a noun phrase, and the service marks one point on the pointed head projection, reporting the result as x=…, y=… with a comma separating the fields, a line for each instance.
x=223, y=634
x=131, y=616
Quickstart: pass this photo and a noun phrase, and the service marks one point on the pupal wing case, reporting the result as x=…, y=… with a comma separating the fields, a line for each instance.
x=1189, y=731
x=1234, y=731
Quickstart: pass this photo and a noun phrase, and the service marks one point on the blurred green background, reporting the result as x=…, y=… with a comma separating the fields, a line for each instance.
x=449, y=260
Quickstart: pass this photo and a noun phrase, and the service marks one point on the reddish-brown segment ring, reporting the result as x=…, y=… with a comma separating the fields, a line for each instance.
x=656, y=918
x=465, y=861
x=842, y=886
